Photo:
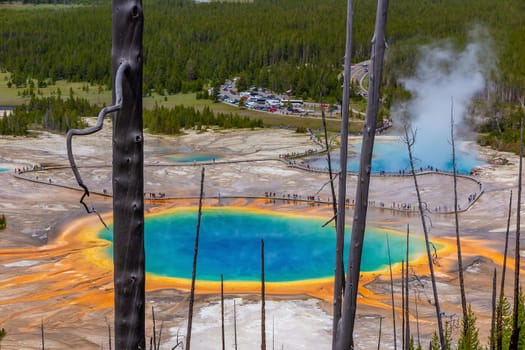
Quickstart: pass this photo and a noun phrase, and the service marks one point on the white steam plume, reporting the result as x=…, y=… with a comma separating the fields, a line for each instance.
x=443, y=74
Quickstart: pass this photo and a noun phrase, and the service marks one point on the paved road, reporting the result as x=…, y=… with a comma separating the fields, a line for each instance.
x=359, y=73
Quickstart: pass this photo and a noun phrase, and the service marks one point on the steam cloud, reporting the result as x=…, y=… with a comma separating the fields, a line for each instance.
x=443, y=75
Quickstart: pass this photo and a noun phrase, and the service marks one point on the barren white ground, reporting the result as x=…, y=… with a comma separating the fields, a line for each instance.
x=38, y=210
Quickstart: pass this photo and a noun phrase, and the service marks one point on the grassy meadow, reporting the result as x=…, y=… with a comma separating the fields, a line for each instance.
x=99, y=95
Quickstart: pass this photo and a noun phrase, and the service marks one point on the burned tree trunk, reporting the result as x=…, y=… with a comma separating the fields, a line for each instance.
x=128, y=178
x=392, y=291
x=410, y=141
x=194, y=268
x=456, y=217
x=42, y=334
x=329, y=158
x=493, y=317
x=222, y=313
x=416, y=301
x=514, y=339
x=340, y=213
x=109, y=336
x=263, y=301
x=403, y=320
x=499, y=309
x=380, y=330
x=407, y=307
x=505, y=251
x=345, y=331
x=234, y=325
x=154, y=337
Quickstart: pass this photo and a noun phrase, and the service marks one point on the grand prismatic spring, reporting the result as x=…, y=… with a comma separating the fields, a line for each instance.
x=297, y=247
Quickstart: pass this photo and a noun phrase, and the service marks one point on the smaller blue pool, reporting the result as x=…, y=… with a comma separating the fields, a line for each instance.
x=3, y=170
x=190, y=158
x=392, y=157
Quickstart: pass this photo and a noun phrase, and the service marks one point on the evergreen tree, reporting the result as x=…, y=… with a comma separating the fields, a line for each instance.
x=3, y=333
x=434, y=342
x=3, y=225
x=413, y=346
x=506, y=322
x=469, y=338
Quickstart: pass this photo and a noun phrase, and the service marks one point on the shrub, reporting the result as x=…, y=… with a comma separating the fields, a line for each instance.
x=3, y=222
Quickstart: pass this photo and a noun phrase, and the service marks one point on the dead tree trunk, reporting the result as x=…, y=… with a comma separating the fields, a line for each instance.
x=507, y=232
x=329, y=158
x=263, y=300
x=493, y=318
x=340, y=219
x=42, y=334
x=128, y=178
x=194, y=269
x=273, y=334
x=416, y=301
x=410, y=142
x=222, y=313
x=407, y=308
x=345, y=332
x=499, y=311
x=392, y=291
x=514, y=339
x=109, y=336
x=154, y=338
x=160, y=336
x=456, y=217
x=235, y=324
x=330, y=172
x=380, y=330
x=403, y=321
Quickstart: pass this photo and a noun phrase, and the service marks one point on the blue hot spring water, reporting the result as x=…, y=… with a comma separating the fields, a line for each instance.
x=190, y=158
x=296, y=248
x=3, y=170
x=392, y=157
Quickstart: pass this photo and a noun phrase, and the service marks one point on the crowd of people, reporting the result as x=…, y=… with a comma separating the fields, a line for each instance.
x=153, y=195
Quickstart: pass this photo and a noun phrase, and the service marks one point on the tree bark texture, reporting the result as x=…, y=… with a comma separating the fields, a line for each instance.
x=194, y=267
x=340, y=213
x=514, y=339
x=421, y=208
x=222, y=313
x=128, y=178
x=345, y=338
x=499, y=311
x=407, y=303
x=263, y=301
x=392, y=292
x=456, y=217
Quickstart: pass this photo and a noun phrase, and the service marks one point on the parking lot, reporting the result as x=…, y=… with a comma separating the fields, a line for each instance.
x=261, y=99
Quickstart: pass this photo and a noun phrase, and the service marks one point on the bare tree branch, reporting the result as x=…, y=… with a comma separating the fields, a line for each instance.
x=409, y=140
x=194, y=269
x=263, y=301
x=407, y=305
x=222, y=313
x=493, y=316
x=456, y=217
x=499, y=311
x=514, y=339
x=392, y=291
